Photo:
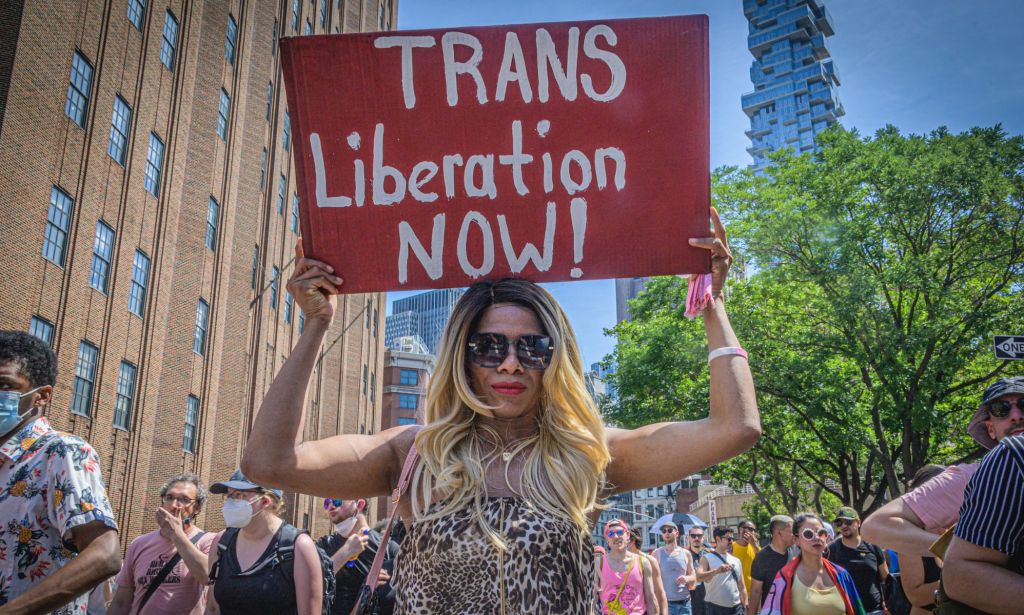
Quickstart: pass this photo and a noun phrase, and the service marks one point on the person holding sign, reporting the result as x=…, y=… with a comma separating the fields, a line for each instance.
x=514, y=457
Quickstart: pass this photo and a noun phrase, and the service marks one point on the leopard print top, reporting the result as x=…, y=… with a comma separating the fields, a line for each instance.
x=447, y=566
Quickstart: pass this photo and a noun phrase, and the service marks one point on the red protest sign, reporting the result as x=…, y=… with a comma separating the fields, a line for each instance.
x=434, y=158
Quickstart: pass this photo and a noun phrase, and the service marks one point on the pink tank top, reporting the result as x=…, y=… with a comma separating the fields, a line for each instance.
x=632, y=596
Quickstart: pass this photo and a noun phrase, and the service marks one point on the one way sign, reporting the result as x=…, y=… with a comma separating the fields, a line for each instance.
x=1009, y=347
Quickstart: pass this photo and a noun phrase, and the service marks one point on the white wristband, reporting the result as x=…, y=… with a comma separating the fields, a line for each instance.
x=726, y=351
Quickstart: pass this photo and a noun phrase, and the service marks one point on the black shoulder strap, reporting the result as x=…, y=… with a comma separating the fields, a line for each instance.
x=725, y=561
x=166, y=570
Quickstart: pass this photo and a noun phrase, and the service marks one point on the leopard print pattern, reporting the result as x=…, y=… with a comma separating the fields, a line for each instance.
x=447, y=566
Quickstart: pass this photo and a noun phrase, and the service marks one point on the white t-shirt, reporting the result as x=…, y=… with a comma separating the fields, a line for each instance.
x=723, y=589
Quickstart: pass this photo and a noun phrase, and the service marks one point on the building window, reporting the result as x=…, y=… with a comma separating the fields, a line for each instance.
x=231, y=40
x=140, y=280
x=125, y=396
x=323, y=13
x=302, y=321
x=288, y=303
x=120, y=122
x=76, y=106
x=154, y=164
x=212, y=217
x=202, y=322
x=273, y=46
x=409, y=377
x=373, y=387
x=58, y=221
x=406, y=420
x=282, y=185
x=275, y=273
x=286, y=132
x=308, y=29
x=136, y=12
x=41, y=328
x=375, y=320
x=85, y=377
x=102, y=251
x=263, y=170
x=255, y=266
x=270, y=97
x=365, y=377
x=407, y=401
x=188, y=441
x=367, y=311
x=222, y=114
x=170, y=41
x=295, y=213
x=295, y=15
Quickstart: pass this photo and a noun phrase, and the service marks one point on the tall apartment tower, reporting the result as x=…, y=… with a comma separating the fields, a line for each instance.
x=424, y=315
x=795, y=81
x=149, y=212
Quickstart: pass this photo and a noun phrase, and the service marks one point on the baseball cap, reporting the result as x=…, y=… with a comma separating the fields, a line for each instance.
x=240, y=482
x=670, y=524
x=1003, y=386
x=613, y=522
x=847, y=513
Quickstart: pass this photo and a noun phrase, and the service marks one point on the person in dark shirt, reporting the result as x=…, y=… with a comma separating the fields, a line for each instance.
x=865, y=562
x=770, y=560
x=695, y=543
x=352, y=546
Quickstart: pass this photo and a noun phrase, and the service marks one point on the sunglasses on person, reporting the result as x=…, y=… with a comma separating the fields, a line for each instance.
x=1000, y=409
x=330, y=503
x=615, y=533
x=843, y=522
x=667, y=530
x=696, y=536
x=809, y=534
x=491, y=350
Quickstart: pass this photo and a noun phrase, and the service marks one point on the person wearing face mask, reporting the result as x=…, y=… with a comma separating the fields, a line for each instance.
x=352, y=547
x=58, y=538
x=164, y=571
x=810, y=584
x=253, y=569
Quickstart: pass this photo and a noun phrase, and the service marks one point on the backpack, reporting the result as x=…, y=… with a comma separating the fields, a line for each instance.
x=284, y=556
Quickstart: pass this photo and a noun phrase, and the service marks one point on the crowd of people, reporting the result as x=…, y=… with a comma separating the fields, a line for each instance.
x=496, y=492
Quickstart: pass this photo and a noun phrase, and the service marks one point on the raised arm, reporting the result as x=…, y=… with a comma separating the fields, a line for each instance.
x=347, y=466
x=733, y=425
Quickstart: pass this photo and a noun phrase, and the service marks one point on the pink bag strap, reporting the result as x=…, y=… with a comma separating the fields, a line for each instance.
x=396, y=495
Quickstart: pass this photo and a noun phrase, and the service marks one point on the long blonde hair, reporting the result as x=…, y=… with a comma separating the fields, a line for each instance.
x=565, y=468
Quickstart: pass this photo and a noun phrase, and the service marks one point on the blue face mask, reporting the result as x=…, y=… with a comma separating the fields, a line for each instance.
x=10, y=409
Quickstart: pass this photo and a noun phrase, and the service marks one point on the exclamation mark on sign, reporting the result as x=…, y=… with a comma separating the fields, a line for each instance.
x=578, y=210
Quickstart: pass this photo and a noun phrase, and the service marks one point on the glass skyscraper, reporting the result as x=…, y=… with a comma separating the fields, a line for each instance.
x=424, y=315
x=795, y=82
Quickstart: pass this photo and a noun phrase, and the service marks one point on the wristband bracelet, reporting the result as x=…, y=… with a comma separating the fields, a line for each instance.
x=726, y=351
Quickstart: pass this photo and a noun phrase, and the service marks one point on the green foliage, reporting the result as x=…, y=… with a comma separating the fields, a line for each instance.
x=882, y=268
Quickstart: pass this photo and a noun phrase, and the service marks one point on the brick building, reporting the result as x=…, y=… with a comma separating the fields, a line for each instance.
x=148, y=206
x=406, y=369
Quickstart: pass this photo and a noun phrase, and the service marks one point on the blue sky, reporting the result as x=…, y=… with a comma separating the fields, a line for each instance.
x=917, y=64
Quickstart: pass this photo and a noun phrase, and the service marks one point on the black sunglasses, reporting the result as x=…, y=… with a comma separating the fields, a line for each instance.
x=1000, y=409
x=491, y=350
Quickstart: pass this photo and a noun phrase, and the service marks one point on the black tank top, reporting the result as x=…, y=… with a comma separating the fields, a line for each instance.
x=263, y=588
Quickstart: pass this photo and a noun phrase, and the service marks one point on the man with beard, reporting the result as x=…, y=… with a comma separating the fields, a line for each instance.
x=865, y=562
x=352, y=546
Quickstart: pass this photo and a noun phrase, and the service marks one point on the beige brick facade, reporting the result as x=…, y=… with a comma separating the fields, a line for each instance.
x=246, y=339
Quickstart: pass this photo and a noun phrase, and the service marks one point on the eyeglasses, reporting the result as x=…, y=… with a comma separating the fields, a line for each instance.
x=243, y=495
x=843, y=522
x=1000, y=409
x=726, y=538
x=667, y=530
x=748, y=528
x=330, y=503
x=180, y=499
x=615, y=533
x=491, y=350
x=696, y=536
x=809, y=534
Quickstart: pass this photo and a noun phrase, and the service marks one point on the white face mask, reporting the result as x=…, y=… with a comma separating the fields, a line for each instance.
x=345, y=527
x=237, y=513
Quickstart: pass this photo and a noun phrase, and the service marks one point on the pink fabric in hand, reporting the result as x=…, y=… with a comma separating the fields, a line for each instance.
x=698, y=296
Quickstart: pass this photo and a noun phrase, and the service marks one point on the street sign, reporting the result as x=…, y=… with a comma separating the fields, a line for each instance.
x=1009, y=347
x=712, y=513
x=560, y=151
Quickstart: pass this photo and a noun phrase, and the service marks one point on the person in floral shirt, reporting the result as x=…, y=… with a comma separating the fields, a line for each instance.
x=58, y=538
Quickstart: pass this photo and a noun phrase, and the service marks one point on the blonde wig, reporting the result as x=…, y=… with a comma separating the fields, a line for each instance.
x=565, y=467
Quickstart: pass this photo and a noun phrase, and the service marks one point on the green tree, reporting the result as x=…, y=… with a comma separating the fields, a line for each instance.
x=882, y=268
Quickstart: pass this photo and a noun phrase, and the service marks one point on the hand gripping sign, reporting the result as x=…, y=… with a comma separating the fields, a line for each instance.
x=434, y=158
